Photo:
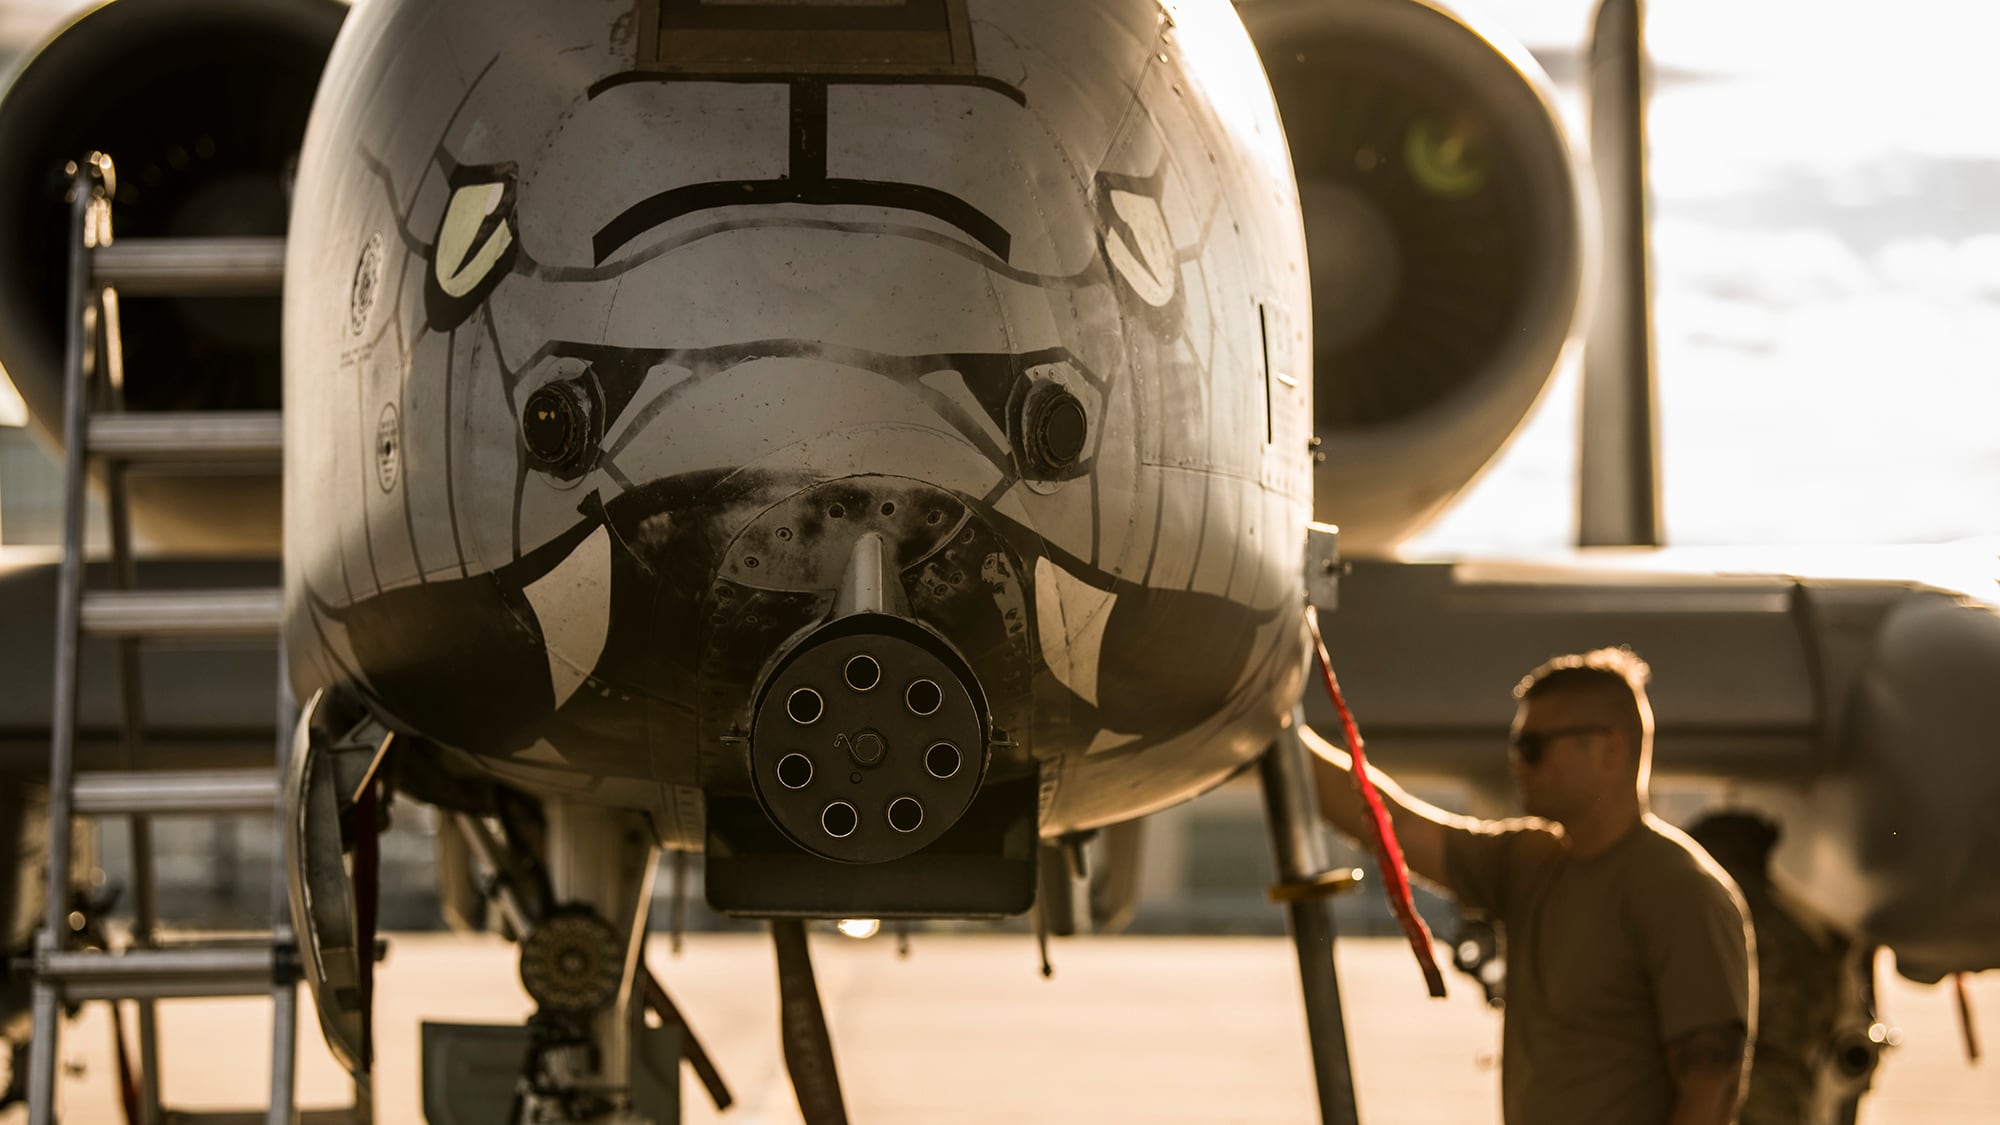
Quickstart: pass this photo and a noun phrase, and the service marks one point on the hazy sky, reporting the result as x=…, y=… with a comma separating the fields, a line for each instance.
x=1827, y=241
x=1827, y=250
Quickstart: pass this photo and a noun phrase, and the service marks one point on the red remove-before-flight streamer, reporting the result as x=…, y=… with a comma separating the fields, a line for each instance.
x=1388, y=853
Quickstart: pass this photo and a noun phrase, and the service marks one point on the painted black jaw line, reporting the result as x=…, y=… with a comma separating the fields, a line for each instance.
x=466, y=661
x=692, y=629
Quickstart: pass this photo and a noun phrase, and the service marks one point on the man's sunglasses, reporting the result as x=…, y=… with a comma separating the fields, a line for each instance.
x=1532, y=744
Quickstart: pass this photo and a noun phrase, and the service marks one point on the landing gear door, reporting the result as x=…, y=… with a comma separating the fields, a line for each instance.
x=321, y=884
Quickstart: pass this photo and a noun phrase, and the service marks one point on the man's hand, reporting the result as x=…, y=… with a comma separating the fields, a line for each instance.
x=1707, y=1068
x=1419, y=827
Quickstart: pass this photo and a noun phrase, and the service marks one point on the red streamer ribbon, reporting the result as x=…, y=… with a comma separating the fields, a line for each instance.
x=1388, y=853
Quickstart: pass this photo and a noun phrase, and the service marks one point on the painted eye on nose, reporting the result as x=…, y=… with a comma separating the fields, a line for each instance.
x=475, y=244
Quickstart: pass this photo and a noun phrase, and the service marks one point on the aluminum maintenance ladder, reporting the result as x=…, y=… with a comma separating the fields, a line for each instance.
x=98, y=434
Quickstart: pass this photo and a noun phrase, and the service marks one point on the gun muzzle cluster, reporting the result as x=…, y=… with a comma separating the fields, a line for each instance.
x=867, y=743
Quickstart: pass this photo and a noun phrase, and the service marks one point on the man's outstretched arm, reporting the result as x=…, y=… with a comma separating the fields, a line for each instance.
x=1420, y=827
x=1707, y=1068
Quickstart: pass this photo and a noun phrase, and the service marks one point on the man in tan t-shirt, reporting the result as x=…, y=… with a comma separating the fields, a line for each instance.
x=1629, y=972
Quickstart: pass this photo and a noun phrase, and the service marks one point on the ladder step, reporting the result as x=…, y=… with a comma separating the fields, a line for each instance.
x=216, y=436
x=191, y=267
x=166, y=792
x=330, y=1116
x=138, y=974
x=183, y=613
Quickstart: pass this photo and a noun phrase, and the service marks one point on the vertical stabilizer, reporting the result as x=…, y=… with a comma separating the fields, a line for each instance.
x=1618, y=478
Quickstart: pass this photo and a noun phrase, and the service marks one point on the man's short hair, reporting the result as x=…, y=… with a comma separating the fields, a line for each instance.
x=1614, y=676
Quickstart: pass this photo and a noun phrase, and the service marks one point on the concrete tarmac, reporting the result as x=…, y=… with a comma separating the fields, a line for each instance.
x=1161, y=1030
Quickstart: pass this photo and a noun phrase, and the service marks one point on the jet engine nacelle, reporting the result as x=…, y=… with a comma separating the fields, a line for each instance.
x=1898, y=840
x=201, y=105
x=1445, y=234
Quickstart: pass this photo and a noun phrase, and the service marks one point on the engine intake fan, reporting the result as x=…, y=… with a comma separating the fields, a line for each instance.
x=1443, y=229
x=202, y=105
